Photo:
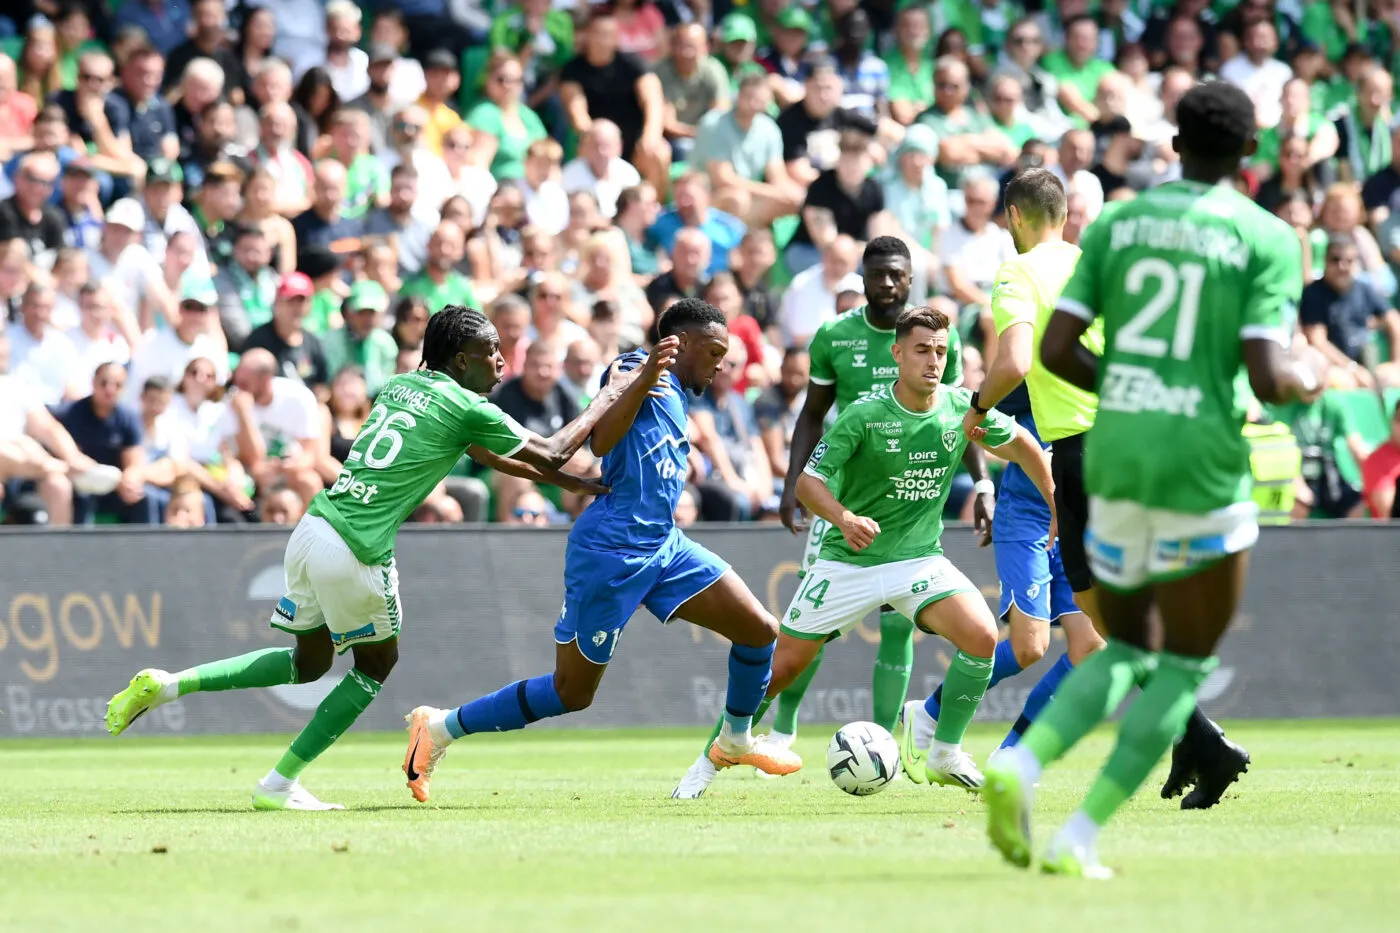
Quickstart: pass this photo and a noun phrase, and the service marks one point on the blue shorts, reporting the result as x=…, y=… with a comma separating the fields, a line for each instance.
x=602, y=589
x=1033, y=580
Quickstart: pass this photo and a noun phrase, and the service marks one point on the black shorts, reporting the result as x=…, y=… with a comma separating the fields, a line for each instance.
x=1071, y=508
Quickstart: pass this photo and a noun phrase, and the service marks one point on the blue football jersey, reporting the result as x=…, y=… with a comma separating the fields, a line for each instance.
x=645, y=473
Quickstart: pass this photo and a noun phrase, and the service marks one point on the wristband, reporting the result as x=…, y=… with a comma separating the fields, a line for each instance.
x=984, y=487
x=977, y=403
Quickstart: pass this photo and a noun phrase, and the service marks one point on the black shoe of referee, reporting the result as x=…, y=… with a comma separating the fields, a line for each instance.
x=1215, y=773
x=1183, y=772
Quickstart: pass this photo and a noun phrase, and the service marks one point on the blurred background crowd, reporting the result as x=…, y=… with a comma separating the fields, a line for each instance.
x=224, y=224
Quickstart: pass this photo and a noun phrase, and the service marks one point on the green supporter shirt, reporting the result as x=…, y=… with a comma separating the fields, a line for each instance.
x=366, y=182
x=1085, y=80
x=1017, y=132
x=1321, y=429
x=855, y=356
x=910, y=85
x=970, y=120
x=985, y=27
x=1181, y=276
x=509, y=161
x=719, y=138
x=377, y=355
x=456, y=289
x=1024, y=292
x=895, y=466
x=417, y=431
x=1269, y=142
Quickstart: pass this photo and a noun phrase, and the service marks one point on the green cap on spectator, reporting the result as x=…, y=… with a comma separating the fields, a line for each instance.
x=366, y=295
x=736, y=27
x=795, y=17
x=199, y=289
x=164, y=170
x=920, y=138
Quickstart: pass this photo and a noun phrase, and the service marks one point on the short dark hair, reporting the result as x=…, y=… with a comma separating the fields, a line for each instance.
x=689, y=313
x=1080, y=18
x=1341, y=241
x=157, y=384
x=449, y=331
x=922, y=316
x=627, y=197
x=1215, y=120
x=791, y=352
x=1039, y=195
x=883, y=247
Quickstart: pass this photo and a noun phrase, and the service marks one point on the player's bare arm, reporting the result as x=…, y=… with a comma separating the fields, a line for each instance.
x=805, y=435
x=565, y=481
x=1064, y=355
x=1023, y=451
x=1015, y=353
x=616, y=420
x=858, y=530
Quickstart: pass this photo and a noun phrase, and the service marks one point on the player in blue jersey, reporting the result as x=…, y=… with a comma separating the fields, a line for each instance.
x=625, y=552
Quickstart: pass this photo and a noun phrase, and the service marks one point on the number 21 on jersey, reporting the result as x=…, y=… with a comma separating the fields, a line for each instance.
x=1176, y=286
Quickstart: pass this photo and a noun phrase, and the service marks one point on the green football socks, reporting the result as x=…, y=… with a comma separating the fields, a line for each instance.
x=894, y=663
x=1157, y=718
x=790, y=700
x=1087, y=697
x=337, y=712
x=966, y=681
x=269, y=667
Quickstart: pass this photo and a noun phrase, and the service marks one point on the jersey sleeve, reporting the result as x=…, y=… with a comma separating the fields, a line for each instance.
x=1081, y=295
x=486, y=425
x=1013, y=297
x=1275, y=285
x=837, y=445
x=953, y=369
x=823, y=372
x=1001, y=428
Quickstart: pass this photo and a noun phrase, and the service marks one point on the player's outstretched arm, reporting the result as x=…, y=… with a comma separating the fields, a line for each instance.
x=1064, y=355
x=1278, y=376
x=805, y=435
x=617, y=419
x=611, y=412
x=1026, y=453
x=565, y=481
x=858, y=530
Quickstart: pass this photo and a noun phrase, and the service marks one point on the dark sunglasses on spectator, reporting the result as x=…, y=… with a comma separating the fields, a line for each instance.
x=37, y=180
x=199, y=306
x=1025, y=40
x=528, y=513
x=949, y=86
x=89, y=76
x=507, y=79
x=546, y=294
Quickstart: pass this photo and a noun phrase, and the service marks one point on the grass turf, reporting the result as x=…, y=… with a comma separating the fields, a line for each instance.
x=573, y=830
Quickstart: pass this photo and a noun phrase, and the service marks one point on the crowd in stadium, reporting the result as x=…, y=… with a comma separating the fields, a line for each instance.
x=224, y=224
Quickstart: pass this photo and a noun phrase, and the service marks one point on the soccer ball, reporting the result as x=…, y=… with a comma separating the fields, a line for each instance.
x=862, y=758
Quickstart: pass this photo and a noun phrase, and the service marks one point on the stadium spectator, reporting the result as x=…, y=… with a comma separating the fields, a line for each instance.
x=198, y=410
x=278, y=155
x=439, y=283
x=301, y=34
x=406, y=220
x=916, y=197
x=733, y=443
x=582, y=371
x=130, y=272
x=1380, y=475
x=970, y=253
x=299, y=354
x=1075, y=169
x=219, y=200
x=442, y=81
x=196, y=332
x=324, y=222
x=109, y=432
x=538, y=401
x=168, y=463
x=531, y=508
x=602, y=276
x=812, y=127
x=165, y=22
x=345, y=412
x=366, y=178
x=1258, y=72
x=510, y=314
x=410, y=323
x=690, y=263
x=36, y=448
x=1339, y=311
x=348, y=65
x=287, y=419
x=595, y=87
x=777, y=408
x=546, y=203
x=693, y=84
x=29, y=215
x=80, y=205
x=738, y=44
x=316, y=99
x=753, y=266
x=1078, y=68
x=209, y=39
x=599, y=167
x=967, y=137
x=810, y=300
x=41, y=356
x=866, y=76
x=637, y=212
x=280, y=506
x=692, y=208
x=844, y=200
x=247, y=286
x=40, y=69
x=96, y=119
x=201, y=86
x=742, y=151
x=551, y=306
x=165, y=214
x=17, y=111
x=186, y=507
x=97, y=339
x=503, y=127
x=256, y=36
x=687, y=507
x=376, y=102
x=910, y=67
x=363, y=342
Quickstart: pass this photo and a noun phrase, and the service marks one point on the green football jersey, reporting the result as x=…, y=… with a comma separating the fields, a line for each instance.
x=885, y=462
x=420, y=425
x=852, y=354
x=1182, y=276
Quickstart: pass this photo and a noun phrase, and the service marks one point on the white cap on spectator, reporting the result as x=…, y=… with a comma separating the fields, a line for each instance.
x=127, y=213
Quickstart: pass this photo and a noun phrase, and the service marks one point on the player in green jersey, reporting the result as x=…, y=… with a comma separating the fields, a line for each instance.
x=342, y=583
x=880, y=478
x=1197, y=288
x=850, y=357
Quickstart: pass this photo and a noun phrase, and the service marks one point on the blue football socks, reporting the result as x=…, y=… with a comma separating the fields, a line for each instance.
x=750, y=669
x=512, y=707
x=1036, y=700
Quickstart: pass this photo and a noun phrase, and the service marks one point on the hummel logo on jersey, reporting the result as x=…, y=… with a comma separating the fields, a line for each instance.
x=950, y=440
x=858, y=360
x=893, y=443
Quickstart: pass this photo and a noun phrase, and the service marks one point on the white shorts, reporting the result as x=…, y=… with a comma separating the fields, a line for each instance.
x=835, y=596
x=1130, y=545
x=327, y=585
x=813, y=548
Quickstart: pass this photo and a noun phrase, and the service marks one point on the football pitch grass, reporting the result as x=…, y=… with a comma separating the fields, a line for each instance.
x=573, y=830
